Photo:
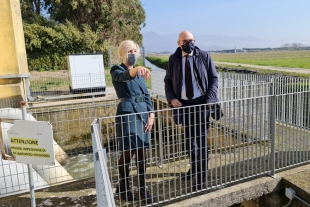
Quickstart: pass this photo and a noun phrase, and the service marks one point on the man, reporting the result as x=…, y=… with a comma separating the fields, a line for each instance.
x=191, y=80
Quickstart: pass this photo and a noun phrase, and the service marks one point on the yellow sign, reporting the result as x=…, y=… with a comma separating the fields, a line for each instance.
x=29, y=151
x=33, y=142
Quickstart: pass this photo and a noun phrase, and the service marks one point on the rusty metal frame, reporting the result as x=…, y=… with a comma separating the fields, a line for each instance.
x=3, y=151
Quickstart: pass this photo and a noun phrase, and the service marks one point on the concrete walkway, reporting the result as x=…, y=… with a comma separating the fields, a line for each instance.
x=290, y=70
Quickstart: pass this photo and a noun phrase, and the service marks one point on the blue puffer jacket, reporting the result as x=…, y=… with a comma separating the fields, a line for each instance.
x=205, y=74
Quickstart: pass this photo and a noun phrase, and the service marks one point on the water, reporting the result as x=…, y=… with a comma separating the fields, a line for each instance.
x=154, y=67
x=81, y=166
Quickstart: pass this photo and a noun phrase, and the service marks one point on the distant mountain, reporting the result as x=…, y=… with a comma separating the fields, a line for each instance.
x=153, y=42
x=168, y=43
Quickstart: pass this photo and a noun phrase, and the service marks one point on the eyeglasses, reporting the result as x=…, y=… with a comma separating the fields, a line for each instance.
x=186, y=41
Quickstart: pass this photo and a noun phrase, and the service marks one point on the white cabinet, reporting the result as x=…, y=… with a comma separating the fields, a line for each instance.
x=86, y=73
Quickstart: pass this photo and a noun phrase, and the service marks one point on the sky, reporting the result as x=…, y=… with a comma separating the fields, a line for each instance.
x=276, y=21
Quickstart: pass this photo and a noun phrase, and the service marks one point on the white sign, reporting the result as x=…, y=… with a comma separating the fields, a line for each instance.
x=32, y=142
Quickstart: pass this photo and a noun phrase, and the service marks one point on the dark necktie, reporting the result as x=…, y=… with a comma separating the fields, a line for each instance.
x=188, y=80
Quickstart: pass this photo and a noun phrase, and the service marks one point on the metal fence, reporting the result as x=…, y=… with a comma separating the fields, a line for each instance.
x=248, y=141
x=73, y=145
x=44, y=89
x=13, y=176
x=47, y=89
x=229, y=88
x=103, y=184
x=246, y=102
x=62, y=86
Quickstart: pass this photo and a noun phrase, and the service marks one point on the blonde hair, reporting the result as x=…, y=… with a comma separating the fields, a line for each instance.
x=125, y=46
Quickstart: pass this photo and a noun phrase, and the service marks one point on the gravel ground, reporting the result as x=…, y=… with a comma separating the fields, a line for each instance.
x=80, y=193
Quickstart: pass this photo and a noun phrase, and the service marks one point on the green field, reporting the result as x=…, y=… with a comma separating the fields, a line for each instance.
x=291, y=59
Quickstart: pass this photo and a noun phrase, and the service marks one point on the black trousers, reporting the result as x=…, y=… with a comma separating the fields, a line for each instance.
x=196, y=125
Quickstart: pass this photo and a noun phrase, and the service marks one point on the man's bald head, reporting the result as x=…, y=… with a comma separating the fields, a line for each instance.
x=186, y=37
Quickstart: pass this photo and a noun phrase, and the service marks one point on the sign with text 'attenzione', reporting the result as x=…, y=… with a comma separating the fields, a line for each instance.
x=31, y=142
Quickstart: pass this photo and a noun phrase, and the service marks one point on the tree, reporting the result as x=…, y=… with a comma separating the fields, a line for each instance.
x=47, y=46
x=286, y=45
x=112, y=20
x=77, y=26
x=32, y=11
x=294, y=45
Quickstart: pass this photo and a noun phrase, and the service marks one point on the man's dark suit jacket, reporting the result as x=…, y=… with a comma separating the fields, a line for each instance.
x=204, y=72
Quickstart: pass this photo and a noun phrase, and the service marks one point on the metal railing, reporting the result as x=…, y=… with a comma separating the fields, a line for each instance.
x=248, y=141
x=46, y=89
x=103, y=185
x=66, y=87
x=72, y=133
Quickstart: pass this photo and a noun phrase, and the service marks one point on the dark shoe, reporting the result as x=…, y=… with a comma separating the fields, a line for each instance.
x=197, y=185
x=124, y=190
x=199, y=182
x=145, y=196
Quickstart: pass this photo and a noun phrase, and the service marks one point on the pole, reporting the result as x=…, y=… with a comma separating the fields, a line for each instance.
x=29, y=166
x=110, y=56
x=273, y=134
x=143, y=55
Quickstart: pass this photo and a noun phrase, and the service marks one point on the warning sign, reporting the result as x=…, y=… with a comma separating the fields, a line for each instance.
x=32, y=142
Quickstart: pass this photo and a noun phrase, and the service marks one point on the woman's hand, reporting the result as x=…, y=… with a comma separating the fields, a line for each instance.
x=144, y=72
x=150, y=122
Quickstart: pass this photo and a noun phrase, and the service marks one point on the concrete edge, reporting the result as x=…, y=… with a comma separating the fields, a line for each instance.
x=247, y=190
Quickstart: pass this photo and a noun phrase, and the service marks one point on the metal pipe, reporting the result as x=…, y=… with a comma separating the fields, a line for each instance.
x=272, y=134
x=307, y=204
x=143, y=55
x=29, y=166
x=110, y=56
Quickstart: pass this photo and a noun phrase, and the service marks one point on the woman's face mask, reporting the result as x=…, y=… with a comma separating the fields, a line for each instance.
x=132, y=59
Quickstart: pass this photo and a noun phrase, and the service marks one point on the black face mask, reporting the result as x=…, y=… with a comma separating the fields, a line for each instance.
x=188, y=47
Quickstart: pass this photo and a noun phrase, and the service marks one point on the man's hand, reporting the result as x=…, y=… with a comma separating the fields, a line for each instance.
x=176, y=103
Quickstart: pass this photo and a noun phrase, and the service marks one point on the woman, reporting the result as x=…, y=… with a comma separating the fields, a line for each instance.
x=132, y=129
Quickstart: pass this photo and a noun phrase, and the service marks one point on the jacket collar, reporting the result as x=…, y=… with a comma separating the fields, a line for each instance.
x=124, y=66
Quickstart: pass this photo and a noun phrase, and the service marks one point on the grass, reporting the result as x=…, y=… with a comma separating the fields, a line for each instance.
x=261, y=71
x=293, y=59
x=290, y=59
x=50, y=84
x=159, y=61
x=108, y=77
